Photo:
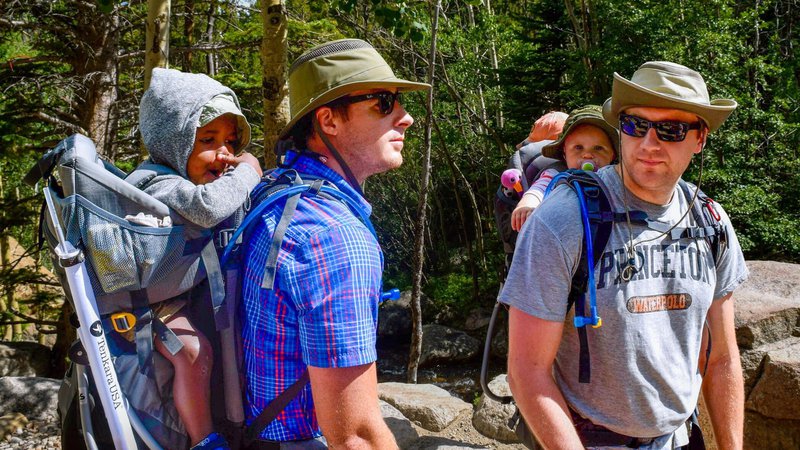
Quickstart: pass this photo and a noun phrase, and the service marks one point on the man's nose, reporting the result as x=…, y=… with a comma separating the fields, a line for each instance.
x=651, y=140
x=404, y=119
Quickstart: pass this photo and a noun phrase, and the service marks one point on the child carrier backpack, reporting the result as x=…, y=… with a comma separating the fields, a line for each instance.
x=598, y=218
x=529, y=163
x=125, y=267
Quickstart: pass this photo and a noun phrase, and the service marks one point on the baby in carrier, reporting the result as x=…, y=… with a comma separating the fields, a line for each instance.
x=193, y=128
x=587, y=142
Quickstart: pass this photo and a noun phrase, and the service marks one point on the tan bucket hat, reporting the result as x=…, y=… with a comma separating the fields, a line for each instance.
x=333, y=70
x=585, y=115
x=663, y=84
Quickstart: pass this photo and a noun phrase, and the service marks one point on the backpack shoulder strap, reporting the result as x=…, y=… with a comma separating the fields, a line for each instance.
x=707, y=219
x=598, y=217
x=272, y=410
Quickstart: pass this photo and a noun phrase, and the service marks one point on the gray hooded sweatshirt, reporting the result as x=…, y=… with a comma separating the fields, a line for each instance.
x=169, y=115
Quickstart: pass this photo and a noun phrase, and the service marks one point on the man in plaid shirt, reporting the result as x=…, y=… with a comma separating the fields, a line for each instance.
x=318, y=313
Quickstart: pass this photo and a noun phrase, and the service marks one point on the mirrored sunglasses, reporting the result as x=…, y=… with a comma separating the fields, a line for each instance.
x=668, y=131
x=386, y=100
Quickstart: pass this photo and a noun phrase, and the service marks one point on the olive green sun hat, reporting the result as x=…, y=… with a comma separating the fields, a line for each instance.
x=585, y=115
x=333, y=70
x=662, y=84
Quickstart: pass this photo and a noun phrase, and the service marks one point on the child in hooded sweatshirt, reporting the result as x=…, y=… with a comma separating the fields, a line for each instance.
x=586, y=138
x=193, y=125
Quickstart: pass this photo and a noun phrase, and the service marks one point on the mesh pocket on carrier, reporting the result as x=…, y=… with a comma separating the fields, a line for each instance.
x=124, y=256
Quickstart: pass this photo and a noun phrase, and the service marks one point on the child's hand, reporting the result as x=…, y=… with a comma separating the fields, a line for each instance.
x=245, y=158
x=524, y=209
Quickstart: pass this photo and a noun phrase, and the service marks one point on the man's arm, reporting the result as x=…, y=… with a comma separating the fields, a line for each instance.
x=723, y=383
x=346, y=401
x=532, y=347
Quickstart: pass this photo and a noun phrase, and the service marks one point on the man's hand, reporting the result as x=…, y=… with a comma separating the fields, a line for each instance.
x=346, y=401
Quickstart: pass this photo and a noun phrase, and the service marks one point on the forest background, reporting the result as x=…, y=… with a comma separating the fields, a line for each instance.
x=67, y=67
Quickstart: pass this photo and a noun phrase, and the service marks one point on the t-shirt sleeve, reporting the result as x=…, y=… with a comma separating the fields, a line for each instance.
x=545, y=257
x=731, y=268
x=336, y=280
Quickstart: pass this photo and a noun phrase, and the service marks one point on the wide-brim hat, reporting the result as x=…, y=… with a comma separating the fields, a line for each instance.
x=662, y=84
x=586, y=115
x=334, y=69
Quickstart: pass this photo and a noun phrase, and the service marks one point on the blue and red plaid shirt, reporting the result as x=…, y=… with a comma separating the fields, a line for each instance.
x=323, y=310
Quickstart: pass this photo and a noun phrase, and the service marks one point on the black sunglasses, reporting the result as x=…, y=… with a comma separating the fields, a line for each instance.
x=668, y=131
x=386, y=100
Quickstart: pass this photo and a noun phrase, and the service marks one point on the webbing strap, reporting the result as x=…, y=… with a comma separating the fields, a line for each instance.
x=274, y=408
x=216, y=284
x=143, y=334
x=167, y=337
x=268, y=280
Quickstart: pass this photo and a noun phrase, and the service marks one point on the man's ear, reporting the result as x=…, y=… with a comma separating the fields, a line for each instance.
x=328, y=122
x=701, y=139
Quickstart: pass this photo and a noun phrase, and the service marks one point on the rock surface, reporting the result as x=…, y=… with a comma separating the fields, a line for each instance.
x=24, y=359
x=442, y=344
x=491, y=417
x=428, y=406
x=35, y=397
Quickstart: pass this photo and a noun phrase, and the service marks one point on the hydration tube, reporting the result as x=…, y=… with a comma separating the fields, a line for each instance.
x=594, y=320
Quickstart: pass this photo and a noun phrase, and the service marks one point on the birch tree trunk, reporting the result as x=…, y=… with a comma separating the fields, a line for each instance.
x=273, y=85
x=157, y=37
x=188, y=34
x=422, y=207
x=211, y=56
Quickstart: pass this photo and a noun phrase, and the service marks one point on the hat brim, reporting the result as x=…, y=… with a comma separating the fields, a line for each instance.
x=627, y=94
x=556, y=148
x=344, y=89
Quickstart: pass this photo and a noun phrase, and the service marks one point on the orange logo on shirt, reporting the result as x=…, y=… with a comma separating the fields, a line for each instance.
x=664, y=302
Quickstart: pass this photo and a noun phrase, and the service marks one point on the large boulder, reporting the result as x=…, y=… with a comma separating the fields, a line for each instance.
x=768, y=334
x=24, y=359
x=35, y=397
x=442, y=344
x=491, y=417
x=394, y=320
x=428, y=406
x=767, y=304
x=402, y=428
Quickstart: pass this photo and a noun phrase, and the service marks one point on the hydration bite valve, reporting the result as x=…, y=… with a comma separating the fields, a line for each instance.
x=511, y=179
x=391, y=294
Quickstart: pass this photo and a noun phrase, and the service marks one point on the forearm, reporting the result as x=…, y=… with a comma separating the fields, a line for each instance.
x=545, y=410
x=533, y=343
x=346, y=401
x=723, y=391
x=374, y=435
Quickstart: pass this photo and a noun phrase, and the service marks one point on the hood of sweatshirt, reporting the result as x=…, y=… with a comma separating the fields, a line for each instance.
x=169, y=114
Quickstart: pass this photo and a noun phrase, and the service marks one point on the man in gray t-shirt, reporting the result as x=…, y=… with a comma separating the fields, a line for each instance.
x=648, y=360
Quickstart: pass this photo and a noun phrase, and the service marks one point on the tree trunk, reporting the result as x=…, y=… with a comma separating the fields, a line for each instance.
x=273, y=85
x=157, y=37
x=188, y=34
x=419, y=226
x=211, y=56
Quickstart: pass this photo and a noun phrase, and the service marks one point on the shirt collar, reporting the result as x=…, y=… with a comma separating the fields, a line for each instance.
x=306, y=163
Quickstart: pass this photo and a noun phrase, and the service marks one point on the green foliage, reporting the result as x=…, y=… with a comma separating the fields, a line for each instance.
x=546, y=60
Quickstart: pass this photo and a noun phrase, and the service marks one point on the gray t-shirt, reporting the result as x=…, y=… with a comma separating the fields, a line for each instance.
x=645, y=378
